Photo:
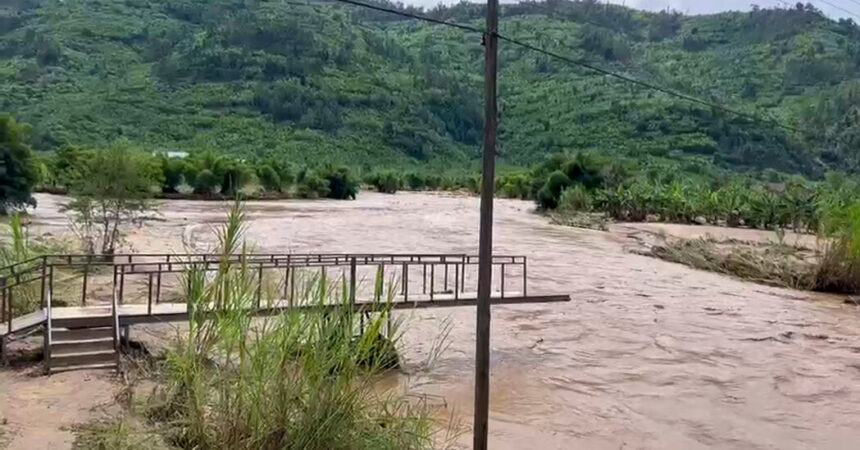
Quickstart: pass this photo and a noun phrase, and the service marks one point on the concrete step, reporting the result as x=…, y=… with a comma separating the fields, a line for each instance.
x=59, y=348
x=82, y=322
x=83, y=359
x=84, y=367
x=75, y=334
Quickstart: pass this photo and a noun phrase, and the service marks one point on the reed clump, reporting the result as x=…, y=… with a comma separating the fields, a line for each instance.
x=299, y=379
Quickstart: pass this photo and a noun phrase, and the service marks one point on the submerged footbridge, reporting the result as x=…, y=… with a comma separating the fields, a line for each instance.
x=82, y=304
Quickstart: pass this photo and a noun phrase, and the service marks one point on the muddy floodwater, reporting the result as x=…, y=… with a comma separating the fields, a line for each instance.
x=649, y=354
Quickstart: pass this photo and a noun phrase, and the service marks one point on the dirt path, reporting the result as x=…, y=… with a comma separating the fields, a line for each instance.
x=648, y=355
x=39, y=411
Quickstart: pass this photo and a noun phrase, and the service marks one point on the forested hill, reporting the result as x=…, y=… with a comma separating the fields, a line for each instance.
x=327, y=82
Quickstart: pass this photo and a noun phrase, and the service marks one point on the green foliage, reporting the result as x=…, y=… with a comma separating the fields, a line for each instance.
x=173, y=170
x=16, y=250
x=294, y=380
x=548, y=195
x=67, y=163
x=111, y=192
x=119, y=172
x=312, y=185
x=342, y=184
x=575, y=198
x=324, y=84
x=654, y=190
x=17, y=247
x=839, y=266
x=513, y=185
x=269, y=178
x=387, y=182
x=206, y=182
x=415, y=181
x=18, y=172
x=560, y=171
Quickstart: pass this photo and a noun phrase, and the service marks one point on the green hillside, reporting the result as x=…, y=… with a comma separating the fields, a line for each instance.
x=331, y=83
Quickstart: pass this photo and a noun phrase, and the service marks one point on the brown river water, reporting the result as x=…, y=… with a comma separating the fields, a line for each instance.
x=648, y=354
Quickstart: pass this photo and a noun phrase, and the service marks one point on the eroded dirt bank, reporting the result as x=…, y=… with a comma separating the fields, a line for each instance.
x=648, y=355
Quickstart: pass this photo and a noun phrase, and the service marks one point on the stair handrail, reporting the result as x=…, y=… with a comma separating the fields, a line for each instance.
x=49, y=297
x=116, y=338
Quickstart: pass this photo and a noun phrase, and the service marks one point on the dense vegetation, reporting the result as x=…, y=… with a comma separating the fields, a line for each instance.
x=295, y=380
x=201, y=175
x=627, y=191
x=331, y=84
x=17, y=172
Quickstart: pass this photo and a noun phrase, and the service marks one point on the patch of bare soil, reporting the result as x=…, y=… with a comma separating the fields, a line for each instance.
x=38, y=411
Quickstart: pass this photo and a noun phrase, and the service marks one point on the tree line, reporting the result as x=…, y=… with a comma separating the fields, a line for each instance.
x=628, y=191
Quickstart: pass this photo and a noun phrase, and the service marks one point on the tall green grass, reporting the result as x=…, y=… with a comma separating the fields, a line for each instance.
x=293, y=380
x=838, y=268
x=15, y=249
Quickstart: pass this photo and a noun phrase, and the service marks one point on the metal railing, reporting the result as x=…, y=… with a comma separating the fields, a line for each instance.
x=68, y=279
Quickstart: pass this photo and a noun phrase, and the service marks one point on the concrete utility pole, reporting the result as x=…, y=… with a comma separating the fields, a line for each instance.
x=485, y=251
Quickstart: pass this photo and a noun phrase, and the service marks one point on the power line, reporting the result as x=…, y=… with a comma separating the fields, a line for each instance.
x=411, y=15
x=588, y=66
x=647, y=85
x=833, y=5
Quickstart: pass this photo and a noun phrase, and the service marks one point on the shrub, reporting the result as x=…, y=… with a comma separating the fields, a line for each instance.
x=269, y=178
x=585, y=170
x=839, y=265
x=234, y=176
x=113, y=193
x=387, y=182
x=172, y=170
x=550, y=193
x=18, y=173
x=433, y=182
x=342, y=184
x=513, y=186
x=575, y=198
x=415, y=181
x=311, y=185
x=205, y=182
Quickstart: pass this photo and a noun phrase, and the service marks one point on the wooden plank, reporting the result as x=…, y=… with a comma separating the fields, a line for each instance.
x=24, y=323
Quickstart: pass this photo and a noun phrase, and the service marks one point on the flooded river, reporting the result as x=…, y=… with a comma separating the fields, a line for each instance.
x=648, y=354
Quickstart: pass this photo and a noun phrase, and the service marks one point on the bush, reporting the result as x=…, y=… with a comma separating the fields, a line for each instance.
x=575, y=198
x=387, y=182
x=18, y=173
x=311, y=185
x=839, y=266
x=234, y=176
x=433, y=182
x=205, y=182
x=342, y=184
x=113, y=192
x=513, y=186
x=550, y=193
x=585, y=170
x=269, y=178
x=173, y=170
x=415, y=181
